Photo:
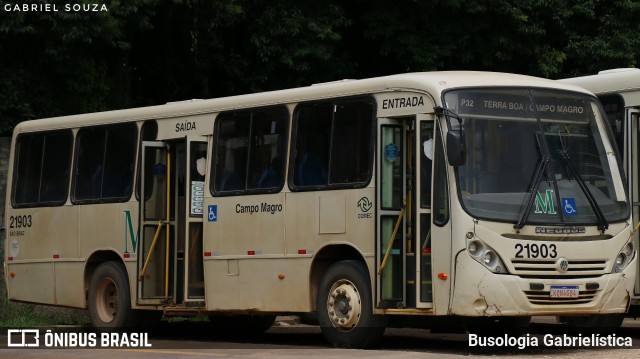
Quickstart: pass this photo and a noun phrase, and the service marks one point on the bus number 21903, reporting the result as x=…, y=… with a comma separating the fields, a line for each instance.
x=20, y=221
x=534, y=250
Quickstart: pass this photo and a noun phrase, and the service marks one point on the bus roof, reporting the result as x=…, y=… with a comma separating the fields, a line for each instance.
x=625, y=82
x=429, y=82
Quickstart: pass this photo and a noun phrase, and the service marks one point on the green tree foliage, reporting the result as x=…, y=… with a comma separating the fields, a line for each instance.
x=146, y=52
x=57, y=62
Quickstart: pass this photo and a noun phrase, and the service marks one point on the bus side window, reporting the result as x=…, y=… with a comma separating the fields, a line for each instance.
x=312, y=136
x=266, y=159
x=271, y=176
x=105, y=161
x=42, y=166
x=119, y=162
x=333, y=142
x=310, y=171
x=249, y=150
x=426, y=161
x=441, y=198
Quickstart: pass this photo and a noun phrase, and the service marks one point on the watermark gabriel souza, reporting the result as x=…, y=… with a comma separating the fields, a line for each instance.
x=26, y=7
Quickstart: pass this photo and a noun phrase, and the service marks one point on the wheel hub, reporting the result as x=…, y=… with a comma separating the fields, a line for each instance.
x=107, y=300
x=343, y=305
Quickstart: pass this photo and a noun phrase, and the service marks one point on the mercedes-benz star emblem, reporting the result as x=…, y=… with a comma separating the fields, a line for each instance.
x=562, y=265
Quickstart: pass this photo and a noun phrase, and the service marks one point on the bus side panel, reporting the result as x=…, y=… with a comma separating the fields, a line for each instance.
x=105, y=227
x=31, y=282
x=247, y=224
x=245, y=243
x=69, y=289
x=249, y=284
x=43, y=233
x=317, y=219
x=47, y=235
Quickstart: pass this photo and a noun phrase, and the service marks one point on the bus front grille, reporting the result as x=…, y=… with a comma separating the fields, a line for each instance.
x=543, y=297
x=549, y=269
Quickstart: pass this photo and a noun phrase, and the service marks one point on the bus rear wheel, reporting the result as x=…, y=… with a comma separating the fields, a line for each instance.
x=345, y=310
x=109, y=301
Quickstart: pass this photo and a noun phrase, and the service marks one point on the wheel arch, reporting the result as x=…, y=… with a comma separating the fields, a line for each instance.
x=325, y=258
x=94, y=261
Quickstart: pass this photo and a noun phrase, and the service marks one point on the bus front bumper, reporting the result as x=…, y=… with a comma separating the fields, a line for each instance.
x=479, y=292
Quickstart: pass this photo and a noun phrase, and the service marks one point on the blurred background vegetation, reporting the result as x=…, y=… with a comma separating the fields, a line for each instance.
x=149, y=52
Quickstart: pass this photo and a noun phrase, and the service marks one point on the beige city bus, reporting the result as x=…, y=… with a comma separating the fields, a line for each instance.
x=486, y=198
x=619, y=92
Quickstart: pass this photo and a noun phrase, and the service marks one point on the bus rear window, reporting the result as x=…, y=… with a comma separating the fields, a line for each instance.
x=42, y=169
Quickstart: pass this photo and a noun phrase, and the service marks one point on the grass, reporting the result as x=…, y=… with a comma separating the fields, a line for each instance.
x=20, y=315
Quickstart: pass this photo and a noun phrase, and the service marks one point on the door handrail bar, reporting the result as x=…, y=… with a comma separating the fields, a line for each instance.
x=393, y=237
x=153, y=244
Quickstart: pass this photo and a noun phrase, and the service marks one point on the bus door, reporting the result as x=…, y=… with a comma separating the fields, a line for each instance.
x=394, y=264
x=194, y=178
x=156, y=254
x=403, y=256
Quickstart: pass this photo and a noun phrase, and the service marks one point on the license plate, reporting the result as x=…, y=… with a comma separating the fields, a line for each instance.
x=564, y=291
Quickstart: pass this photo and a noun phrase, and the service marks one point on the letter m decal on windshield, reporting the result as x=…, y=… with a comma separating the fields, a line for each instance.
x=545, y=204
x=129, y=234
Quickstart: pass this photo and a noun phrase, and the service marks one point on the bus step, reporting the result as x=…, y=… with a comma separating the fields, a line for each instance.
x=184, y=311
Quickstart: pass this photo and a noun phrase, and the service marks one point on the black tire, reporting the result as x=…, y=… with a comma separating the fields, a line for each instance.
x=498, y=326
x=597, y=323
x=109, y=301
x=344, y=307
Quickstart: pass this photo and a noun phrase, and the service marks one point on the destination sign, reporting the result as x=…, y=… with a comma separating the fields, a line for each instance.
x=502, y=104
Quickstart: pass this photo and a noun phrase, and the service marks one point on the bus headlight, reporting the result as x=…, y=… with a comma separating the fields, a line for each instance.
x=485, y=255
x=473, y=247
x=624, y=257
x=628, y=249
x=488, y=258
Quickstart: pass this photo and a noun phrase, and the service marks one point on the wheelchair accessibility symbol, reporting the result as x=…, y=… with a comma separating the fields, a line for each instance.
x=212, y=213
x=569, y=206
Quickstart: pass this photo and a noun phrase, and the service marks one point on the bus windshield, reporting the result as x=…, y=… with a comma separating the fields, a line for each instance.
x=511, y=134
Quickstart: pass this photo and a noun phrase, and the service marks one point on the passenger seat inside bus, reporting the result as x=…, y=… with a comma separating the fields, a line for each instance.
x=271, y=177
x=310, y=171
x=230, y=181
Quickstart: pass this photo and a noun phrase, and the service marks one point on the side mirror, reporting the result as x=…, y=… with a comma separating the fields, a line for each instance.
x=456, y=147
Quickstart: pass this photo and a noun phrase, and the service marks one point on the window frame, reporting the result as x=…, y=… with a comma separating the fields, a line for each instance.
x=134, y=148
x=16, y=163
x=279, y=110
x=295, y=138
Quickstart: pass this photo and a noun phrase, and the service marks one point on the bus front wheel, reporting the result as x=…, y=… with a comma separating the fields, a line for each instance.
x=345, y=310
x=109, y=300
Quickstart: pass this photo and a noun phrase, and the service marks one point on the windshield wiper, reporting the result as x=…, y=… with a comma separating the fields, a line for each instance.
x=602, y=221
x=545, y=165
x=541, y=168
